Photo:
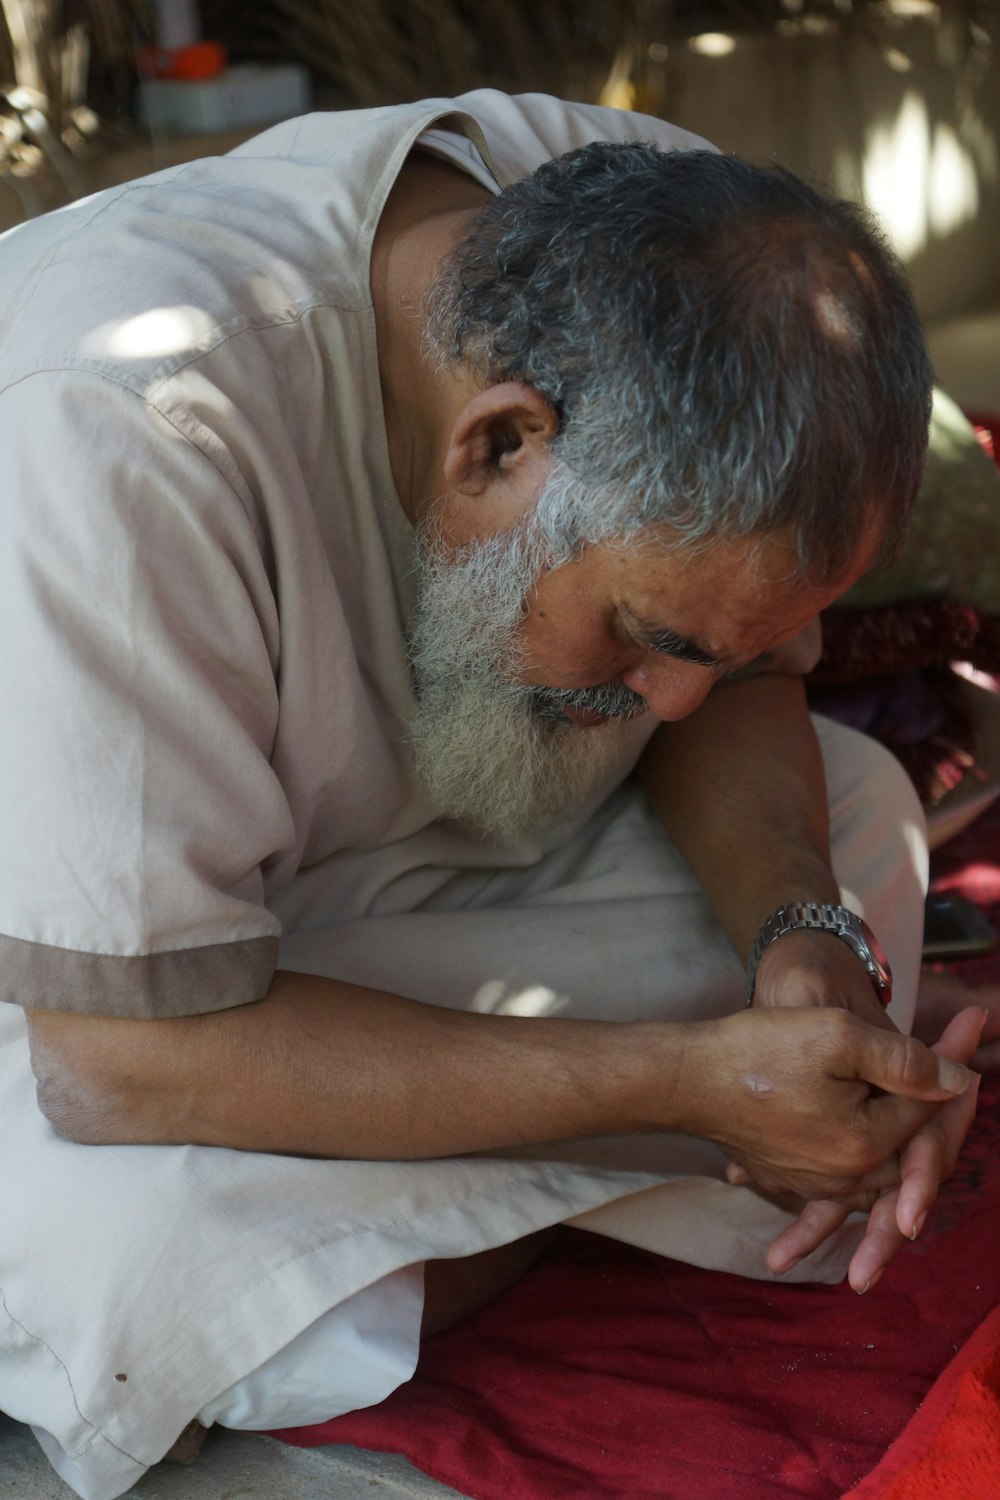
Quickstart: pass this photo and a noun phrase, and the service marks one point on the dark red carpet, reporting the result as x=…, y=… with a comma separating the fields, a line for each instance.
x=611, y=1373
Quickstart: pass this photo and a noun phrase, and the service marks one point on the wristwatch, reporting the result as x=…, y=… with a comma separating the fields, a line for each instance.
x=836, y=919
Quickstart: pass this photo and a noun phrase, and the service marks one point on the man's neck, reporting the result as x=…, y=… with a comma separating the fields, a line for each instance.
x=426, y=214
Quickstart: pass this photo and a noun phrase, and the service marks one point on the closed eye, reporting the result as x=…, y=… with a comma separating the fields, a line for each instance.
x=667, y=642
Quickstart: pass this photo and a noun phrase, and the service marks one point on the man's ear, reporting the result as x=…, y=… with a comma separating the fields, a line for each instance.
x=497, y=457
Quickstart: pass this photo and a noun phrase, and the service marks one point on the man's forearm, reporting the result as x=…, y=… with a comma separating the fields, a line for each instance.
x=320, y=1068
x=739, y=786
x=324, y=1068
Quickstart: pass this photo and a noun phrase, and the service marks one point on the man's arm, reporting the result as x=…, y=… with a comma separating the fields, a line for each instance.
x=740, y=788
x=328, y=1069
x=739, y=785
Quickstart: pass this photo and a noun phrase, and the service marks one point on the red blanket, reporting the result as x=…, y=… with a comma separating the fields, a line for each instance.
x=609, y=1373
x=952, y=1446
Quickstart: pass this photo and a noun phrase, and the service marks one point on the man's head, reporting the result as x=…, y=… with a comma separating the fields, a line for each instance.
x=727, y=350
x=674, y=355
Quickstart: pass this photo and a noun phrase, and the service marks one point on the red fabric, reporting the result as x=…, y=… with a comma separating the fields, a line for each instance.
x=987, y=430
x=863, y=643
x=952, y=1446
x=609, y=1373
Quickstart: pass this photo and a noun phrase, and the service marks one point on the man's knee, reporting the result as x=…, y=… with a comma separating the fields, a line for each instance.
x=455, y=1289
x=869, y=791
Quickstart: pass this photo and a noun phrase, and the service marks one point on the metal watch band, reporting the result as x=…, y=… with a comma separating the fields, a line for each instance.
x=844, y=924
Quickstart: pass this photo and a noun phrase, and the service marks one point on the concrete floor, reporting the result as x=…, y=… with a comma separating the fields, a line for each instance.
x=233, y=1466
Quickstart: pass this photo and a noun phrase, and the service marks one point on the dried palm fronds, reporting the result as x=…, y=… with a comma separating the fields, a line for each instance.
x=391, y=51
x=46, y=47
x=42, y=41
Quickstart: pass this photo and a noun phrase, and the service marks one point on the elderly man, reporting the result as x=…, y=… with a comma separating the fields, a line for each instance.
x=380, y=498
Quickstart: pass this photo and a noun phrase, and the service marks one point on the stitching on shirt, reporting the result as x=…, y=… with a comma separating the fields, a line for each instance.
x=36, y=1339
x=295, y=138
x=140, y=185
x=273, y=321
x=35, y=283
x=80, y=369
x=115, y=198
x=282, y=320
x=145, y=389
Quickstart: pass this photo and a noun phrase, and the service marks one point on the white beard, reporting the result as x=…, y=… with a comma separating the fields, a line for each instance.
x=490, y=752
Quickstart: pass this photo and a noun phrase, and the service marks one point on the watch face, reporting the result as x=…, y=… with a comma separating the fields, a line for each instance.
x=882, y=974
x=878, y=953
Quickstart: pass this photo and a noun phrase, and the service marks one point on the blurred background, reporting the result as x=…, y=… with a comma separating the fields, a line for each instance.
x=896, y=102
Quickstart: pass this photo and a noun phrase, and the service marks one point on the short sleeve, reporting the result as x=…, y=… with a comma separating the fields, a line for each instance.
x=139, y=706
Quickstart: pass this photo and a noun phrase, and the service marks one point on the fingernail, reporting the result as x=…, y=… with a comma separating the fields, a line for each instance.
x=918, y=1225
x=787, y=1266
x=953, y=1077
x=870, y=1283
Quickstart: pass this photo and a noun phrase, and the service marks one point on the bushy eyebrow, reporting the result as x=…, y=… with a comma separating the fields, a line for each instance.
x=668, y=642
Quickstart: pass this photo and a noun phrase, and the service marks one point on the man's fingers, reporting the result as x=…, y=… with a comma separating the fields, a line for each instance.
x=929, y=1159
x=905, y=1186
x=904, y=1067
x=882, y=1239
x=894, y=1115
x=877, y=1089
x=817, y=1221
x=923, y=1160
x=962, y=1035
x=899, y=1214
x=971, y=1036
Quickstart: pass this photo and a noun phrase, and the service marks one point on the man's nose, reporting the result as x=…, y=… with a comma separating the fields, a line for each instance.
x=673, y=689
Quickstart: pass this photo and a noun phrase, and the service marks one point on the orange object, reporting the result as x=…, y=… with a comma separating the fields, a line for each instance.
x=192, y=64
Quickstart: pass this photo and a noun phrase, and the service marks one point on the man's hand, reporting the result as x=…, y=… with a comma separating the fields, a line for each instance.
x=896, y=1213
x=816, y=968
x=814, y=1101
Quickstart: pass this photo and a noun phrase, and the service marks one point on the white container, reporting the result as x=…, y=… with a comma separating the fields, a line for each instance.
x=244, y=94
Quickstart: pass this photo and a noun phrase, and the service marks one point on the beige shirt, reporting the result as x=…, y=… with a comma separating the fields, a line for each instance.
x=205, y=571
x=203, y=589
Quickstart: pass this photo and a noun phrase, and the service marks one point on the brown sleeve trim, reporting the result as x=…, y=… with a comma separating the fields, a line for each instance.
x=183, y=982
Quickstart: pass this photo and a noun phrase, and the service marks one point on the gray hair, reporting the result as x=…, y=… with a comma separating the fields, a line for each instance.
x=728, y=349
